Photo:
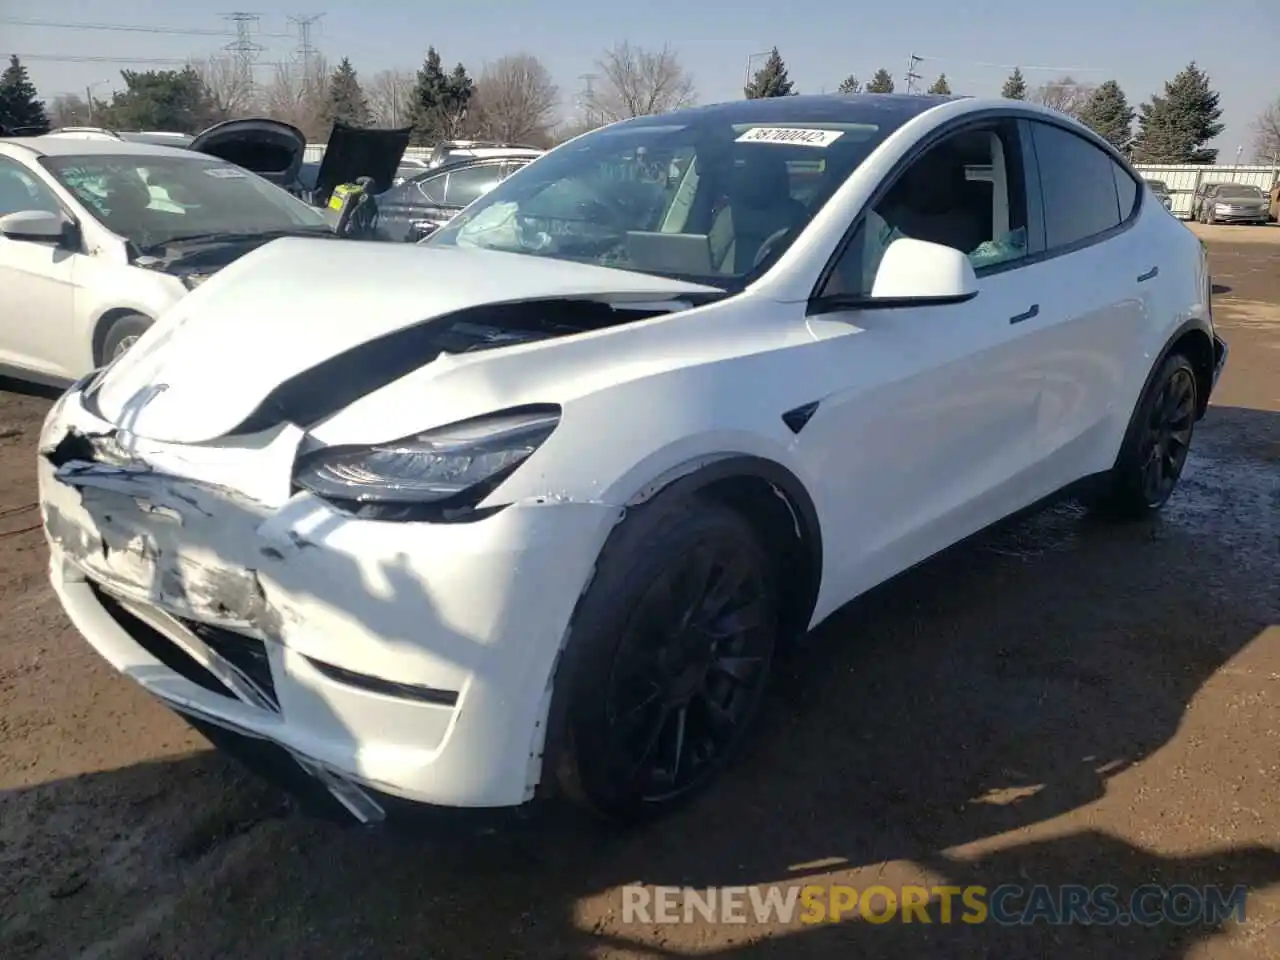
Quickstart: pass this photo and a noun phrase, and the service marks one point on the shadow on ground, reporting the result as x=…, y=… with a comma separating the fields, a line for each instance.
x=1031, y=664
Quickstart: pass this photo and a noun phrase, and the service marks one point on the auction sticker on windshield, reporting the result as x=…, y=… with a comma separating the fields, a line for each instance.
x=225, y=173
x=791, y=136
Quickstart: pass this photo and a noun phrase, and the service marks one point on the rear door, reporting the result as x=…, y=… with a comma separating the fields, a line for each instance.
x=1099, y=267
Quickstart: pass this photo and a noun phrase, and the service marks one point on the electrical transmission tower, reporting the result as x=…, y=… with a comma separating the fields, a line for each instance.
x=305, y=53
x=244, y=50
x=587, y=98
x=912, y=76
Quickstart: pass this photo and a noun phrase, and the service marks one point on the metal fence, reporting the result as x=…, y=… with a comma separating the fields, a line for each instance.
x=1183, y=179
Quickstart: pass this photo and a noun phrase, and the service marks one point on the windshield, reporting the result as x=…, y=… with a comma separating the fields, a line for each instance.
x=1239, y=190
x=705, y=199
x=152, y=199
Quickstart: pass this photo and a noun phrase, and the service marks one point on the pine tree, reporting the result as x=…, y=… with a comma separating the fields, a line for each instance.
x=1109, y=115
x=849, y=84
x=1015, y=88
x=20, y=110
x=1175, y=127
x=440, y=101
x=940, y=86
x=882, y=82
x=770, y=80
x=346, y=102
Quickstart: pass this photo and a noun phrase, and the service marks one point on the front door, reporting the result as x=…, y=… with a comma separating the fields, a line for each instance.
x=37, y=292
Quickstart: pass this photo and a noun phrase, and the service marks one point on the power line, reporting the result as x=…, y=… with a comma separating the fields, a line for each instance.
x=126, y=28
x=70, y=58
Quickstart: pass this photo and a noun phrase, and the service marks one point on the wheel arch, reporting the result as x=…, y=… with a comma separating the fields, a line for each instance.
x=102, y=325
x=1194, y=341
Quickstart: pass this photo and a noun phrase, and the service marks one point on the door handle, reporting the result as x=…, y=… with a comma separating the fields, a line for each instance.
x=1033, y=312
x=1149, y=274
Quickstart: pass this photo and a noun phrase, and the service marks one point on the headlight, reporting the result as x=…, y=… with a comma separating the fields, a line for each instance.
x=430, y=475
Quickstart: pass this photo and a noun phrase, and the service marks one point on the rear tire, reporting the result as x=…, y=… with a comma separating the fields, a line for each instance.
x=121, y=335
x=668, y=657
x=1155, y=446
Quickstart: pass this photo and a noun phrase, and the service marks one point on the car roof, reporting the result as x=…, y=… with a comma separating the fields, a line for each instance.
x=452, y=166
x=893, y=109
x=72, y=147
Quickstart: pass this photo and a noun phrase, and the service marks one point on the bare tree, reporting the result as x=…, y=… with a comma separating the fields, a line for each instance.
x=390, y=94
x=515, y=100
x=640, y=82
x=68, y=110
x=230, y=88
x=1266, y=134
x=1066, y=95
x=297, y=94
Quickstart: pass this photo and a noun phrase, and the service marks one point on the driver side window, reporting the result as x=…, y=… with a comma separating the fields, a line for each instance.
x=966, y=192
x=20, y=190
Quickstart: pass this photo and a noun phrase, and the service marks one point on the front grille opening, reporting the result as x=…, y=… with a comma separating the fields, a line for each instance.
x=160, y=646
x=246, y=654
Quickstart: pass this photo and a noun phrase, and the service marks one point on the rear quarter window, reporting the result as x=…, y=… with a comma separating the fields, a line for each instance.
x=1078, y=184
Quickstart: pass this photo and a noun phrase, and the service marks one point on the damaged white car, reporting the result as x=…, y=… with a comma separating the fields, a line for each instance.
x=529, y=509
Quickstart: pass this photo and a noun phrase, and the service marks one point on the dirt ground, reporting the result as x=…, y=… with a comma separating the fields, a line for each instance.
x=1060, y=702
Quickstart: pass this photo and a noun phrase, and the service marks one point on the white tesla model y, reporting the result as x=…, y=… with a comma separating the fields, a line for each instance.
x=528, y=509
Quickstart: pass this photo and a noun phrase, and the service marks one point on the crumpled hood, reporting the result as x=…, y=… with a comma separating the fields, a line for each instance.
x=295, y=303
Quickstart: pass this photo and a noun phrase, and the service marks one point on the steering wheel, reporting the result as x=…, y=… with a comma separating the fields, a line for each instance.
x=770, y=242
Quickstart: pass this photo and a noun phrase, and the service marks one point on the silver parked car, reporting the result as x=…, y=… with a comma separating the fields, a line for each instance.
x=1230, y=203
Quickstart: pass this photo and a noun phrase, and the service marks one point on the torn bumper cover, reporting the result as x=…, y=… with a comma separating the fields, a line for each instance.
x=410, y=661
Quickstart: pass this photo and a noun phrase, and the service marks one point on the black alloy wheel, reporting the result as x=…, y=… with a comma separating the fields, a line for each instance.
x=668, y=658
x=1167, y=437
x=689, y=671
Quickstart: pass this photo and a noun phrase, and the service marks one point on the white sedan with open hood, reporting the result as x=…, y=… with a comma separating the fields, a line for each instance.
x=530, y=508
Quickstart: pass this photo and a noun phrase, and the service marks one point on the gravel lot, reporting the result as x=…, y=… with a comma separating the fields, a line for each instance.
x=1059, y=702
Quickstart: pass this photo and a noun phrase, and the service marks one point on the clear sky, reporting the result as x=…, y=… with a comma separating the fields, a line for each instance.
x=1140, y=43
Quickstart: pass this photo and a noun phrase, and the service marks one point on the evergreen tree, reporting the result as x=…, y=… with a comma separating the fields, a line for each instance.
x=1108, y=114
x=1015, y=88
x=770, y=80
x=1175, y=127
x=346, y=102
x=940, y=86
x=439, y=102
x=849, y=84
x=882, y=82
x=176, y=100
x=20, y=110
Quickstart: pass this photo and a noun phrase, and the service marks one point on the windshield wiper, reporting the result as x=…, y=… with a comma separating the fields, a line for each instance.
x=229, y=236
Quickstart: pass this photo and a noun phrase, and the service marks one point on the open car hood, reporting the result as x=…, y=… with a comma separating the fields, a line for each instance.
x=270, y=148
x=350, y=317
x=353, y=152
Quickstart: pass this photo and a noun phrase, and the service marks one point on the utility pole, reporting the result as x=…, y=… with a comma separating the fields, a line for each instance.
x=911, y=74
x=243, y=49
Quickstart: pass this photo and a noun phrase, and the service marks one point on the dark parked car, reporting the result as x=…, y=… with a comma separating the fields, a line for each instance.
x=1230, y=203
x=418, y=207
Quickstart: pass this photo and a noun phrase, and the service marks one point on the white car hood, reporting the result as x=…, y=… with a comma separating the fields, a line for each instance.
x=213, y=358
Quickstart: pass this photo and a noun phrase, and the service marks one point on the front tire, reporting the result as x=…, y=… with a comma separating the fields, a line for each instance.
x=668, y=657
x=121, y=335
x=1155, y=446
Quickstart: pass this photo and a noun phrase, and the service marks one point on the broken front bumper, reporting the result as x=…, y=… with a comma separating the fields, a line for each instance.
x=410, y=660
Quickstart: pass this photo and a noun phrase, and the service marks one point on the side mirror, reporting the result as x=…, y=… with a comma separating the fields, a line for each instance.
x=916, y=271
x=38, y=226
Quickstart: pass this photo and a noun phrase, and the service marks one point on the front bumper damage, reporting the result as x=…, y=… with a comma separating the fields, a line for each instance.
x=388, y=664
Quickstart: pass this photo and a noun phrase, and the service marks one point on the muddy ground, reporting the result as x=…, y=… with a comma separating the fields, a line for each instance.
x=1061, y=702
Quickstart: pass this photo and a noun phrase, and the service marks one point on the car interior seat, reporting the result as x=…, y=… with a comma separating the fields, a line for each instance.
x=759, y=205
x=935, y=202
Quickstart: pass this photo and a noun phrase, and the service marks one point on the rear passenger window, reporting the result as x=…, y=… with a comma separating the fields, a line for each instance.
x=1126, y=191
x=1078, y=185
